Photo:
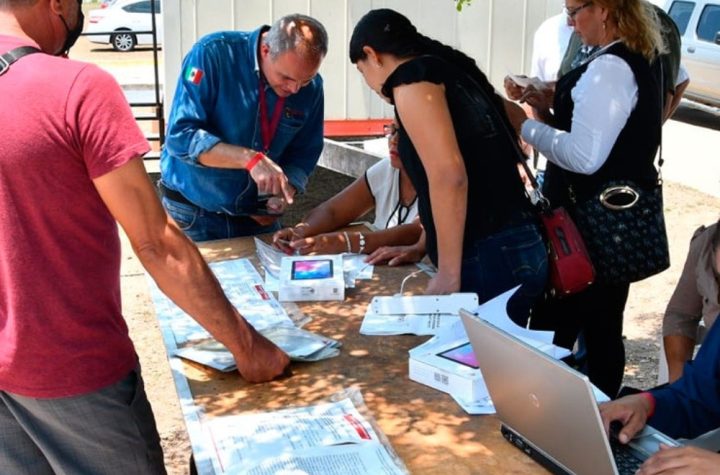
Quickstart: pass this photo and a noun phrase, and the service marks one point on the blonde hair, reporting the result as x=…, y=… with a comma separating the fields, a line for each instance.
x=638, y=25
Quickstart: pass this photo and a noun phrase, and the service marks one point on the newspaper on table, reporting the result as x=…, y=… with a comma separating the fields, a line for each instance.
x=354, y=266
x=299, y=344
x=446, y=361
x=416, y=314
x=327, y=438
x=244, y=288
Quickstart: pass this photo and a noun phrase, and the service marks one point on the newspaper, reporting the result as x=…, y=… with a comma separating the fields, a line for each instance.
x=327, y=438
x=243, y=286
x=300, y=345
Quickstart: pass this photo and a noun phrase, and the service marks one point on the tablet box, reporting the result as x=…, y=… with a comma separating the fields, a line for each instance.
x=311, y=278
x=450, y=367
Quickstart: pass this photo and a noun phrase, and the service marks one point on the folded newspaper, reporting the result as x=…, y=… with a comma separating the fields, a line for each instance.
x=299, y=344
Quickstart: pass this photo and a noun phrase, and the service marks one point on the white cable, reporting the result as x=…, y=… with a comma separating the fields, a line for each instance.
x=408, y=277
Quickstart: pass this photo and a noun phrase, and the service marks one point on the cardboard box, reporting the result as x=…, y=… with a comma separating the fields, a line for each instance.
x=445, y=367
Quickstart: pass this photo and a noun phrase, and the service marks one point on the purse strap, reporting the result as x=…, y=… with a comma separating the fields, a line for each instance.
x=661, y=160
x=537, y=199
x=13, y=55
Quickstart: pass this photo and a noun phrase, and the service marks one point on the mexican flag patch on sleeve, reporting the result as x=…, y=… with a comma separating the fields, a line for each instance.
x=194, y=75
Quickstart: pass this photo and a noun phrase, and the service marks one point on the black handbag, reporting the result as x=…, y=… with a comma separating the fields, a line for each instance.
x=623, y=227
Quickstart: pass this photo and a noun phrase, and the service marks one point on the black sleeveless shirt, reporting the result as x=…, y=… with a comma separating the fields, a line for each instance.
x=632, y=157
x=496, y=196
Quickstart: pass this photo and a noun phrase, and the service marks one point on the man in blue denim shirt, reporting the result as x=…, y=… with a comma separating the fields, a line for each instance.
x=246, y=122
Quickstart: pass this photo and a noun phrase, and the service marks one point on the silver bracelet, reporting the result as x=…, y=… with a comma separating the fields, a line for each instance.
x=362, y=243
x=347, y=242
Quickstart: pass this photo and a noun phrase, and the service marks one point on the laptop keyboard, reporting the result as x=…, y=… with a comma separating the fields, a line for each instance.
x=627, y=463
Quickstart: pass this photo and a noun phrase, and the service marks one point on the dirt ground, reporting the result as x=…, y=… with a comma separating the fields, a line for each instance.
x=685, y=208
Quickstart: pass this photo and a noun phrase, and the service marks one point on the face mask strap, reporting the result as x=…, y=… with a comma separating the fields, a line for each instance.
x=72, y=35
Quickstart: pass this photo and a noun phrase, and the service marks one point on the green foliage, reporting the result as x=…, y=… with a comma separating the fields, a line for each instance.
x=460, y=4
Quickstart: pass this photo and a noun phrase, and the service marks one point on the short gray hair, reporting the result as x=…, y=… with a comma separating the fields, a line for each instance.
x=299, y=33
x=5, y=4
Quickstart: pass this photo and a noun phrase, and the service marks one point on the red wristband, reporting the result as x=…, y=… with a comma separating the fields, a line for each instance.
x=254, y=161
x=651, y=399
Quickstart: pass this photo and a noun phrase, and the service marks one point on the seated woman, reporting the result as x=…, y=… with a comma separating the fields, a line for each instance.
x=695, y=298
x=386, y=188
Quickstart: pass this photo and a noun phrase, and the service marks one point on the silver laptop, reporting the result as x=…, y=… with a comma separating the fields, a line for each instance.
x=548, y=410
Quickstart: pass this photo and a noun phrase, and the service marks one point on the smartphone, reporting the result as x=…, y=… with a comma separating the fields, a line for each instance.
x=261, y=208
x=462, y=354
x=311, y=269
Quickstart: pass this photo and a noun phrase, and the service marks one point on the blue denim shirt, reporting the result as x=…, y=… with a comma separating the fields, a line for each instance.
x=691, y=405
x=223, y=106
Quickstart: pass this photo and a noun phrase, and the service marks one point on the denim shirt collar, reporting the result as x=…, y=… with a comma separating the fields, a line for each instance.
x=255, y=41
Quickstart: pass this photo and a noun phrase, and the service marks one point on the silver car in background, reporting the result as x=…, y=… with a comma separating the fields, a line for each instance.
x=699, y=25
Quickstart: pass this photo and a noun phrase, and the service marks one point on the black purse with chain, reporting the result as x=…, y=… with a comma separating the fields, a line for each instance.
x=623, y=227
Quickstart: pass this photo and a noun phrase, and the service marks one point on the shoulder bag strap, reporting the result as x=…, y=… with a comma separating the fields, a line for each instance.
x=13, y=55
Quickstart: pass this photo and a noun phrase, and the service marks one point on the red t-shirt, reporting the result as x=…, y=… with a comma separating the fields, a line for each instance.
x=62, y=123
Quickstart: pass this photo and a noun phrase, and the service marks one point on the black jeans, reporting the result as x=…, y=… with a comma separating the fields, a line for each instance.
x=598, y=313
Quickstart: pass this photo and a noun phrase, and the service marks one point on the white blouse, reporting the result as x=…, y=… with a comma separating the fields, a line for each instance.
x=603, y=97
x=384, y=183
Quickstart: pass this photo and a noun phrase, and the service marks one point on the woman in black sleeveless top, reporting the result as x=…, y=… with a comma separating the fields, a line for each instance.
x=605, y=126
x=456, y=144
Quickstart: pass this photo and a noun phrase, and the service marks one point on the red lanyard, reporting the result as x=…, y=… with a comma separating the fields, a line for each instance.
x=268, y=126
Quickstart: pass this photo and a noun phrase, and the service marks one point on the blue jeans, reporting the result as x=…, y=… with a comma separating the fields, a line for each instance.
x=202, y=225
x=513, y=256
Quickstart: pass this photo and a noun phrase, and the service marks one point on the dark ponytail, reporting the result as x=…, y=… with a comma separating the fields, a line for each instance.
x=387, y=31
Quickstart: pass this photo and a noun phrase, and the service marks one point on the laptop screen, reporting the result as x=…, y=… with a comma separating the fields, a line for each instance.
x=546, y=403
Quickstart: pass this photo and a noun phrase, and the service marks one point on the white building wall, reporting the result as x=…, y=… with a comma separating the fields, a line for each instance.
x=497, y=33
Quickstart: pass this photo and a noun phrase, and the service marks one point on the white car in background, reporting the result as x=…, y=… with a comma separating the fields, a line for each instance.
x=699, y=25
x=121, y=19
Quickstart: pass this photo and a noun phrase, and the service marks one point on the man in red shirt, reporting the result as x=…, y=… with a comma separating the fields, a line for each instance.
x=71, y=394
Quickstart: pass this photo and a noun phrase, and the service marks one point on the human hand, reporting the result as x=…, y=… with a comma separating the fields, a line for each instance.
x=282, y=239
x=396, y=255
x=632, y=411
x=262, y=361
x=442, y=284
x=538, y=94
x=681, y=461
x=271, y=179
x=326, y=243
x=513, y=90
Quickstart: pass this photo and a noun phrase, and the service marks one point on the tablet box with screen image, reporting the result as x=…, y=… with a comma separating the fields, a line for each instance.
x=311, y=278
x=449, y=367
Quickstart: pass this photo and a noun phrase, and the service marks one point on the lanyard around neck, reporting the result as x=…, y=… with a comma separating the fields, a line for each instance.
x=268, y=125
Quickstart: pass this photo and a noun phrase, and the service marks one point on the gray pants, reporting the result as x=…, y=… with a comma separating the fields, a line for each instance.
x=109, y=431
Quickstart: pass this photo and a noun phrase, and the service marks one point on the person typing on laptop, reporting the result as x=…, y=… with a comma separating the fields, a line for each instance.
x=687, y=408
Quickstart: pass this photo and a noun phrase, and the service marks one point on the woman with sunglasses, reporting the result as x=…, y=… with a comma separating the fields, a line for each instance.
x=458, y=148
x=385, y=188
x=604, y=126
